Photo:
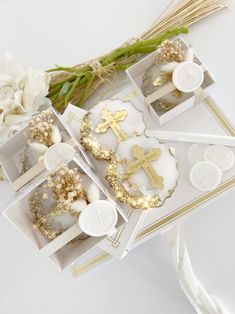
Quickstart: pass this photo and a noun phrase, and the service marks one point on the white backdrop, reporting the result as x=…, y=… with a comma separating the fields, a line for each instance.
x=42, y=33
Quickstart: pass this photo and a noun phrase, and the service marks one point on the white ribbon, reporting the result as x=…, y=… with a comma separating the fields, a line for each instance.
x=201, y=300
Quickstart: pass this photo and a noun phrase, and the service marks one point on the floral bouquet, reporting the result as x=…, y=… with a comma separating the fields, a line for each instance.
x=22, y=93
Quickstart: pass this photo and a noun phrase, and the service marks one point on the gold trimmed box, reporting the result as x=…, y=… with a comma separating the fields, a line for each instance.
x=209, y=118
x=12, y=151
x=182, y=101
x=18, y=213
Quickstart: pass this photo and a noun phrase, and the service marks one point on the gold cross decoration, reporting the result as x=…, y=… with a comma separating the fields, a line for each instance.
x=143, y=161
x=111, y=121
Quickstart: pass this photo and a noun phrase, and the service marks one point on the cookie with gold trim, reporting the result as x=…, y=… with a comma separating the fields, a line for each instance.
x=108, y=123
x=143, y=172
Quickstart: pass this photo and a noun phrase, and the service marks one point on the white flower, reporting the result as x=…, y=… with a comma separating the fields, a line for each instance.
x=55, y=135
x=22, y=93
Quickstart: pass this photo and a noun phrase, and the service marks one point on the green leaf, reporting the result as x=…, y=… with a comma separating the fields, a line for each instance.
x=64, y=89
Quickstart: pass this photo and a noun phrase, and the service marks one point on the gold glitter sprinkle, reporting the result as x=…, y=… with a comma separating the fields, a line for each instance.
x=159, y=81
x=98, y=151
x=177, y=93
x=133, y=197
x=64, y=186
x=162, y=79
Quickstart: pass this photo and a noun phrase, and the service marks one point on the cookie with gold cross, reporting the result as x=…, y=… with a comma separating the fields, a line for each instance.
x=114, y=121
x=143, y=172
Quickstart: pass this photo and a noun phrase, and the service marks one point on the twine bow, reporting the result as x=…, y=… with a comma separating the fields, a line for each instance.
x=100, y=71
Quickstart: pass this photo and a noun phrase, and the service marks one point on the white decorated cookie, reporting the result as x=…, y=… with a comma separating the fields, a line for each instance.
x=148, y=165
x=188, y=76
x=98, y=218
x=58, y=154
x=222, y=156
x=113, y=121
x=205, y=176
x=196, y=152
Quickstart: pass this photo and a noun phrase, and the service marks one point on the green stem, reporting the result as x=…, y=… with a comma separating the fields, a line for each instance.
x=131, y=48
x=53, y=97
x=64, y=101
x=122, y=67
x=71, y=70
x=58, y=105
x=62, y=81
x=59, y=68
x=89, y=77
x=145, y=50
x=67, y=96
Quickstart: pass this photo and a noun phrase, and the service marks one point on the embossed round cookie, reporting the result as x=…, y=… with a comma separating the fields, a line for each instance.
x=114, y=121
x=222, y=156
x=205, y=176
x=143, y=173
x=98, y=219
x=188, y=76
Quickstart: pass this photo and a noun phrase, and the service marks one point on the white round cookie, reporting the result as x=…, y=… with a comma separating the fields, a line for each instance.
x=196, y=152
x=132, y=125
x=222, y=156
x=165, y=166
x=58, y=154
x=205, y=176
x=98, y=218
x=188, y=76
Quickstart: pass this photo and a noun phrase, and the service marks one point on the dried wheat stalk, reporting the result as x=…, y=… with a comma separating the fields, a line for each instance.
x=77, y=83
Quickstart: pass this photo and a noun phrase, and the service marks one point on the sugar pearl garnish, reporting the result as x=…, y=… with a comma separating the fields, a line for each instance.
x=169, y=51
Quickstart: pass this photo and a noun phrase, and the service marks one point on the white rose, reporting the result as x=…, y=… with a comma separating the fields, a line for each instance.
x=22, y=93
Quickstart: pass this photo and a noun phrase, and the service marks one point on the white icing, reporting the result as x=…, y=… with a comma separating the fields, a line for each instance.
x=165, y=165
x=222, y=156
x=205, y=176
x=133, y=124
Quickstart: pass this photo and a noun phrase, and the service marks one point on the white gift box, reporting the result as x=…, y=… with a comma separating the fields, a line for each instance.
x=12, y=150
x=135, y=75
x=18, y=214
x=206, y=117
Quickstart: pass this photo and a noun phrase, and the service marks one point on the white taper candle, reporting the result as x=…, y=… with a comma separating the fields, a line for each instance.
x=192, y=137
